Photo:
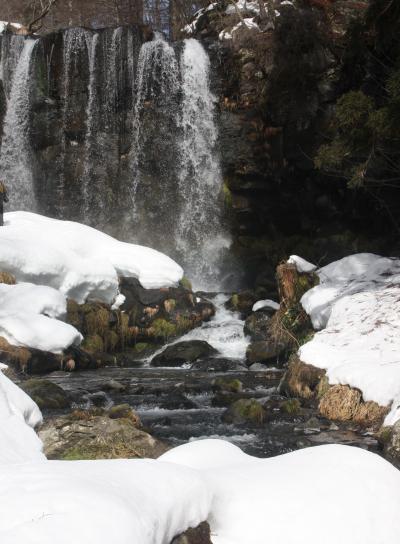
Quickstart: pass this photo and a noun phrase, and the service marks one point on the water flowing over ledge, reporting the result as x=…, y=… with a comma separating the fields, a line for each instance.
x=120, y=134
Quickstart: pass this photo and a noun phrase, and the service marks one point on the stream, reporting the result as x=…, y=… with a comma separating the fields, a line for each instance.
x=177, y=405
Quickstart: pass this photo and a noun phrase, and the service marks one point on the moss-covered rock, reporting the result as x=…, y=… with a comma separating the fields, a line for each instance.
x=124, y=411
x=94, y=435
x=245, y=411
x=228, y=385
x=93, y=344
x=46, y=394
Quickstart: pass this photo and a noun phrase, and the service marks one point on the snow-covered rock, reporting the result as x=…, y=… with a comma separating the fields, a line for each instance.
x=301, y=264
x=81, y=262
x=29, y=318
x=357, y=302
x=267, y=303
x=18, y=416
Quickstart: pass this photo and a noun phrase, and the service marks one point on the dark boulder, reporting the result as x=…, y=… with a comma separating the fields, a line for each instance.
x=245, y=411
x=184, y=352
x=256, y=325
x=198, y=535
x=266, y=351
x=46, y=394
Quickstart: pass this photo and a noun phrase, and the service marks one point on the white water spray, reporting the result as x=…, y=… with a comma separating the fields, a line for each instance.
x=200, y=234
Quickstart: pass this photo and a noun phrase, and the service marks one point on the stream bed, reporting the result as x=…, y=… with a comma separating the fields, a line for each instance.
x=177, y=405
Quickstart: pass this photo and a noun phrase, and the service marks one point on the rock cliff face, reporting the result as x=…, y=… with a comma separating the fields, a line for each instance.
x=89, y=13
x=277, y=85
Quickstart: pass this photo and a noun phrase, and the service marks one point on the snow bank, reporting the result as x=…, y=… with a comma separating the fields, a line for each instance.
x=18, y=416
x=28, y=318
x=5, y=24
x=98, y=502
x=347, y=494
x=81, y=262
x=357, y=302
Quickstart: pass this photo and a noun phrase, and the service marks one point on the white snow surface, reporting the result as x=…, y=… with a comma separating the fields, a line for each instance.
x=18, y=416
x=357, y=302
x=348, y=495
x=5, y=24
x=152, y=501
x=302, y=265
x=29, y=317
x=81, y=262
x=267, y=303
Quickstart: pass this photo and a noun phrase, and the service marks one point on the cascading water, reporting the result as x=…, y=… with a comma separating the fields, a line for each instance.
x=124, y=138
x=200, y=233
x=157, y=87
x=16, y=157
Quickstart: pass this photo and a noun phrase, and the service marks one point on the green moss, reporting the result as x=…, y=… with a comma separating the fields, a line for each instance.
x=231, y=386
x=186, y=283
x=228, y=200
x=385, y=435
x=163, y=328
x=234, y=301
x=141, y=346
x=249, y=410
x=96, y=321
x=93, y=344
x=291, y=407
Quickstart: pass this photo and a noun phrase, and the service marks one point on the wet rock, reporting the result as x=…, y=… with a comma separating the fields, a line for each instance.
x=389, y=439
x=177, y=401
x=46, y=394
x=228, y=385
x=256, y=325
x=219, y=365
x=114, y=386
x=98, y=399
x=199, y=535
x=124, y=411
x=245, y=411
x=184, y=352
x=242, y=302
x=85, y=435
x=266, y=351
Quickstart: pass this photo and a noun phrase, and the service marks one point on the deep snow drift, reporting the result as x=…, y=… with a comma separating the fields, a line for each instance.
x=246, y=500
x=54, y=260
x=357, y=304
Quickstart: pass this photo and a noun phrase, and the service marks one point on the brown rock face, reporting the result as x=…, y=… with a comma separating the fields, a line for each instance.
x=88, y=13
x=343, y=403
x=340, y=402
x=302, y=380
x=199, y=535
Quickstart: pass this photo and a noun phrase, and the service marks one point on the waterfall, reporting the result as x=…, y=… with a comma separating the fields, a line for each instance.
x=16, y=156
x=200, y=233
x=90, y=193
x=157, y=87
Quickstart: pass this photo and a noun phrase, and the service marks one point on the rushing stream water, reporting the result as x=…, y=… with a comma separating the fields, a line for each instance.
x=178, y=404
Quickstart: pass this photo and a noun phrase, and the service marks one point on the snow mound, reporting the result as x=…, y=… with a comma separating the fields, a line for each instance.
x=267, y=303
x=257, y=500
x=81, y=262
x=29, y=318
x=18, y=416
x=357, y=302
x=98, y=502
x=350, y=275
x=301, y=264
